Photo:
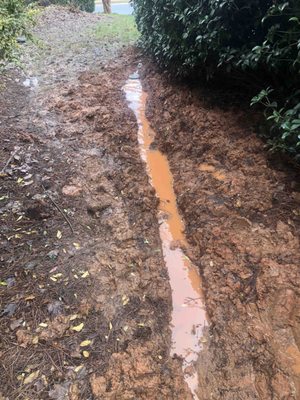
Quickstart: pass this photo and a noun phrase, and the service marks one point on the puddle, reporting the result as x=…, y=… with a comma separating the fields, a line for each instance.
x=188, y=316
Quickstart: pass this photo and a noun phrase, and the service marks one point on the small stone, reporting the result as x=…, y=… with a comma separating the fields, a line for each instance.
x=53, y=254
x=21, y=39
x=71, y=190
x=29, y=266
x=9, y=310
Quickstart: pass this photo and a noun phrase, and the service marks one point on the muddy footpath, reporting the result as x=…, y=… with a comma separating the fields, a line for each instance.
x=86, y=302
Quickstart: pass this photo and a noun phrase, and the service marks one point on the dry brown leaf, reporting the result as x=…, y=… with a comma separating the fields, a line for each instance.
x=30, y=378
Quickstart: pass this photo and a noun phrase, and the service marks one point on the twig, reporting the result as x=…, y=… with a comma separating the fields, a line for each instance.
x=9, y=160
x=59, y=209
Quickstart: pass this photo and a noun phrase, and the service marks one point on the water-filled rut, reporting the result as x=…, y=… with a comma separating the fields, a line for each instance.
x=188, y=315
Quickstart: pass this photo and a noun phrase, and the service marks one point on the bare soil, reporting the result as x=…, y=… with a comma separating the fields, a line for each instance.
x=240, y=206
x=85, y=299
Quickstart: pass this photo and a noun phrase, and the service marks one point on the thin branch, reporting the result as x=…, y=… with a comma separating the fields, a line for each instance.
x=59, y=209
x=9, y=160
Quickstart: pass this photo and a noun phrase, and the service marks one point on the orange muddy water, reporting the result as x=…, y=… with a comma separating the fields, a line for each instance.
x=188, y=316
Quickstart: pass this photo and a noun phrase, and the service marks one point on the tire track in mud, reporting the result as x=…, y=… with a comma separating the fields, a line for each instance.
x=128, y=265
x=188, y=314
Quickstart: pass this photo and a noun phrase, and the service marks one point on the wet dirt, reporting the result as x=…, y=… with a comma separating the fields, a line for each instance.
x=240, y=207
x=188, y=315
x=85, y=302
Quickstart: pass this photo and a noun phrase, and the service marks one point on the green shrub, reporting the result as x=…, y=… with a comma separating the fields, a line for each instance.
x=84, y=5
x=258, y=38
x=14, y=20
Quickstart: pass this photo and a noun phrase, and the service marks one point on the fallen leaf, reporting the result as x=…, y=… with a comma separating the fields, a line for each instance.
x=59, y=275
x=2, y=283
x=16, y=324
x=58, y=234
x=74, y=316
x=43, y=325
x=125, y=300
x=85, y=343
x=110, y=326
x=86, y=354
x=30, y=378
x=85, y=274
x=78, y=368
x=77, y=328
x=60, y=391
x=30, y=297
x=35, y=340
x=76, y=245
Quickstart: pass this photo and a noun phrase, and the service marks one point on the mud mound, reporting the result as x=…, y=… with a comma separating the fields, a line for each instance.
x=242, y=220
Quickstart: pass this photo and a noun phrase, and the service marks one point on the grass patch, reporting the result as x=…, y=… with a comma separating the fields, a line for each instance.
x=117, y=28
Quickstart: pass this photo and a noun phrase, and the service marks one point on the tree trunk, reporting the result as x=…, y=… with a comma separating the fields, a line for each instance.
x=106, y=6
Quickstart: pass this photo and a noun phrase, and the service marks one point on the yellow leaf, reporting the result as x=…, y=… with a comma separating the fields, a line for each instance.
x=85, y=343
x=85, y=274
x=58, y=234
x=35, y=340
x=30, y=378
x=2, y=283
x=30, y=297
x=110, y=326
x=76, y=245
x=77, y=328
x=125, y=300
x=125, y=328
x=78, y=368
x=53, y=279
x=20, y=180
x=20, y=217
x=59, y=275
x=74, y=316
x=43, y=325
x=86, y=354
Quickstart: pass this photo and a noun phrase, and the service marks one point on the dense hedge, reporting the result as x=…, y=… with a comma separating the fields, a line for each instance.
x=14, y=19
x=258, y=38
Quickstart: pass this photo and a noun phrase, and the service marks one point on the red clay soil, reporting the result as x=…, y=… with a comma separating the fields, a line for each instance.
x=241, y=212
x=85, y=297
